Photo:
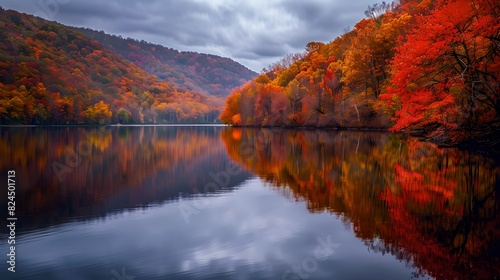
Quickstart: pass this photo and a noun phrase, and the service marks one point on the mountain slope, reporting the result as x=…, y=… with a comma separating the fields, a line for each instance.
x=204, y=73
x=54, y=74
x=431, y=68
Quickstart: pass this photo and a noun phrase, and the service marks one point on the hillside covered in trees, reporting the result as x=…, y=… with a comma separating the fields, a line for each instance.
x=429, y=67
x=55, y=74
x=209, y=74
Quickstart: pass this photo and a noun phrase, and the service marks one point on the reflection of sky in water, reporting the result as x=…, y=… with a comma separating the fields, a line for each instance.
x=251, y=233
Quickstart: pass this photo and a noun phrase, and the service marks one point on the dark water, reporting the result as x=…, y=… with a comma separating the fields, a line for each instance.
x=226, y=203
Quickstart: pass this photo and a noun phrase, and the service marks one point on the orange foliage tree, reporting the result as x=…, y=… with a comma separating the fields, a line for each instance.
x=98, y=114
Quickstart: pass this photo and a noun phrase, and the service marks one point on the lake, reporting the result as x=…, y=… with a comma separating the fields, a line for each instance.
x=215, y=202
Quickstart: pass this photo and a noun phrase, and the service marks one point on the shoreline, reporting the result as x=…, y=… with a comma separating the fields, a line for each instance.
x=440, y=142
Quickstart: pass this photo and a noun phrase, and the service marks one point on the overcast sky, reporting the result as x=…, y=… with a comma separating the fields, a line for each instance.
x=255, y=33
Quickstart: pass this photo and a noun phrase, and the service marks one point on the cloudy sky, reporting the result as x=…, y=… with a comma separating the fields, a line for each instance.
x=255, y=33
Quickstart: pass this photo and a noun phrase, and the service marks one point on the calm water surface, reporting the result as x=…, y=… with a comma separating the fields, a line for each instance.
x=227, y=203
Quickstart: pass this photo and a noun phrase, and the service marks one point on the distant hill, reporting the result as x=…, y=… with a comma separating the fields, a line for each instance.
x=54, y=74
x=204, y=73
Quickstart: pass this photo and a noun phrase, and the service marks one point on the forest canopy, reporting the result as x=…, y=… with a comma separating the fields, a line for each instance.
x=55, y=74
x=429, y=67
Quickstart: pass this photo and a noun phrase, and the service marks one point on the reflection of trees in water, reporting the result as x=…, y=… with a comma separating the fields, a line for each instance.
x=126, y=167
x=446, y=208
x=435, y=208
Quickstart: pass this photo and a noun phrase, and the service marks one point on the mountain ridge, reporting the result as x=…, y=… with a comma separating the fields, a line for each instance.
x=54, y=74
x=179, y=67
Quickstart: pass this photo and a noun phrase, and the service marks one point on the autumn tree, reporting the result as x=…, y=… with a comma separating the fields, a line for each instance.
x=232, y=108
x=377, y=10
x=294, y=94
x=365, y=65
x=124, y=116
x=447, y=72
x=63, y=111
x=266, y=102
x=99, y=113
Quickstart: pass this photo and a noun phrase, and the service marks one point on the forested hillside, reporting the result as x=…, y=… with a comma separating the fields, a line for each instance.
x=203, y=73
x=429, y=67
x=54, y=74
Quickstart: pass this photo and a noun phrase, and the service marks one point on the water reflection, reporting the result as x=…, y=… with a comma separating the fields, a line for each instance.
x=120, y=204
x=437, y=209
x=69, y=173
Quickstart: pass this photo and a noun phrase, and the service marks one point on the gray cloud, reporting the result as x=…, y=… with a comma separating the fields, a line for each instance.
x=255, y=33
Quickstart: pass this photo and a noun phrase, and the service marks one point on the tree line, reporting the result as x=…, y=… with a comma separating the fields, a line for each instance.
x=429, y=67
x=54, y=74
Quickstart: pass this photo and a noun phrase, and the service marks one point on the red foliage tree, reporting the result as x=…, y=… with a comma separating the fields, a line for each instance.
x=447, y=72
